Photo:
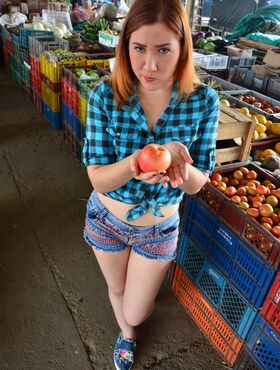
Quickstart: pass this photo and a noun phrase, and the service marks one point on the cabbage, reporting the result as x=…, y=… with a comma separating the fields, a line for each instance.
x=38, y=26
x=58, y=32
x=62, y=27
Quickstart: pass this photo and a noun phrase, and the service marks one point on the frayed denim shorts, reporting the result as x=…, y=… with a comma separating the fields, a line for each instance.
x=105, y=232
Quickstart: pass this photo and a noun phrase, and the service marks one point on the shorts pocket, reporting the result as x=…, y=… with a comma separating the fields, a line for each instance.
x=170, y=228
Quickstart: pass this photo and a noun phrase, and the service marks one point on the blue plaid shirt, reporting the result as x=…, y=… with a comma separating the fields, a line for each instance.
x=113, y=134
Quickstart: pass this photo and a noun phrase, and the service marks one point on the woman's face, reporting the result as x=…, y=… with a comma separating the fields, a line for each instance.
x=154, y=51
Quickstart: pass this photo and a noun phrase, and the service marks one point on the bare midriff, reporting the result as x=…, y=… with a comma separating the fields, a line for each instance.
x=120, y=209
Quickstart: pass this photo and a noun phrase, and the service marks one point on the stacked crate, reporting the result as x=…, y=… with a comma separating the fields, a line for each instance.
x=37, y=45
x=75, y=93
x=262, y=350
x=226, y=265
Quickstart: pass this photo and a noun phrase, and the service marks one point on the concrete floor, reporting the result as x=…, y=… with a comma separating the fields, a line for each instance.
x=54, y=310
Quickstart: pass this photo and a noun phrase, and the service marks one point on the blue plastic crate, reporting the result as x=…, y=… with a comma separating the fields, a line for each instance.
x=24, y=33
x=263, y=344
x=54, y=118
x=228, y=301
x=76, y=126
x=64, y=112
x=246, y=362
x=69, y=117
x=244, y=268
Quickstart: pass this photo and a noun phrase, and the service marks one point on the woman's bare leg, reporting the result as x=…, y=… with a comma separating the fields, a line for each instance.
x=114, y=269
x=143, y=280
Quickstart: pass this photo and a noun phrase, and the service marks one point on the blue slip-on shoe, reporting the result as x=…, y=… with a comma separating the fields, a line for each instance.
x=123, y=353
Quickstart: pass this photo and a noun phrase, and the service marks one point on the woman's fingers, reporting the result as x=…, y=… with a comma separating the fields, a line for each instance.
x=185, y=155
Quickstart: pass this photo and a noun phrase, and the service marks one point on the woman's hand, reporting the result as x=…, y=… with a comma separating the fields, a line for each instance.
x=151, y=177
x=180, y=161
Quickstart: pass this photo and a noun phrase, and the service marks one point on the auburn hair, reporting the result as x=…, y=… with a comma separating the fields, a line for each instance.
x=146, y=12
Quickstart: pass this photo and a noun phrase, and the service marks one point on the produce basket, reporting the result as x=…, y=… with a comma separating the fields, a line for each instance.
x=271, y=307
x=209, y=321
x=265, y=143
x=263, y=344
x=241, y=61
x=39, y=44
x=253, y=94
x=238, y=313
x=218, y=83
x=247, y=228
x=24, y=34
x=209, y=60
x=246, y=270
x=245, y=77
x=273, y=88
x=233, y=125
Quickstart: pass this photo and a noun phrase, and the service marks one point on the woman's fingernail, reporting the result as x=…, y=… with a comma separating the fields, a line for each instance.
x=162, y=172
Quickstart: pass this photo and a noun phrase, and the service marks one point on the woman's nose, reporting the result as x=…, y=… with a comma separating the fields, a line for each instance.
x=150, y=63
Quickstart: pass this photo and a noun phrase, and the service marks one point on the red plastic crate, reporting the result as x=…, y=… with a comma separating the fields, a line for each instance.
x=271, y=307
x=206, y=317
x=250, y=230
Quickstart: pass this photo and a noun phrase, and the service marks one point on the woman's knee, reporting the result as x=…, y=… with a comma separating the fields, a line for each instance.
x=137, y=315
x=116, y=290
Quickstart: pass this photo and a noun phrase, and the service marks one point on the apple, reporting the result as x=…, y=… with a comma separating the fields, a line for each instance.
x=154, y=157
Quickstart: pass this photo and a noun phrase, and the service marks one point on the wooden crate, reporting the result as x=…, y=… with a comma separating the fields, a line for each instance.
x=234, y=136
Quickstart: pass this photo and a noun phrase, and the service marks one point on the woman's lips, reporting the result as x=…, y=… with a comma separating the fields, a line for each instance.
x=148, y=79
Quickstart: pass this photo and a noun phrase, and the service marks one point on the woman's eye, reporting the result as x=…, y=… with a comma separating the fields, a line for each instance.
x=139, y=48
x=164, y=50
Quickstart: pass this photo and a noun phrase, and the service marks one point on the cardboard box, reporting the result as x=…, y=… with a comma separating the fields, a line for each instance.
x=272, y=58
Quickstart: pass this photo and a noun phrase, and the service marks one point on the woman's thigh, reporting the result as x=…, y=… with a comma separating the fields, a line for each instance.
x=114, y=268
x=144, y=278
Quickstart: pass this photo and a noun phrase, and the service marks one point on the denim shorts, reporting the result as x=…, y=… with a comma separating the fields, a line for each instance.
x=103, y=231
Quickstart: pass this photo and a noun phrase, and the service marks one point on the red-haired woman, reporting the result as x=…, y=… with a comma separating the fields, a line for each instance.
x=132, y=217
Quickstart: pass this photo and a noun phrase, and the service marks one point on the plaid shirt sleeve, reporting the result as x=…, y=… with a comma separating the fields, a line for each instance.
x=98, y=146
x=203, y=150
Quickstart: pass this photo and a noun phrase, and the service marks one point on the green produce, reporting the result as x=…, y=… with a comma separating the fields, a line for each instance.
x=91, y=29
x=79, y=72
x=200, y=43
x=209, y=46
x=271, y=163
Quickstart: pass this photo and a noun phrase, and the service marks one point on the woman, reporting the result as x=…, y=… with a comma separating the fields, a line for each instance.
x=132, y=217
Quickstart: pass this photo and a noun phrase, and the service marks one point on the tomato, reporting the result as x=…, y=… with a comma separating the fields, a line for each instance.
x=154, y=157
x=243, y=182
x=256, y=204
x=213, y=182
x=272, y=200
x=251, y=184
x=235, y=199
x=271, y=186
x=251, y=175
x=216, y=177
x=241, y=191
x=257, y=198
x=244, y=205
x=230, y=191
x=251, y=190
x=261, y=189
x=238, y=175
x=244, y=170
x=244, y=199
x=221, y=188
x=253, y=212
x=266, y=210
x=225, y=180
x=233, y=182
x=276, y=231
x=267, y=220
x=275, y=219
x=267, y=226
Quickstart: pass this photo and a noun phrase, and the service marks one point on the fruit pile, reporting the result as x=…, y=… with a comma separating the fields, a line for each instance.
x=259, y=103
x=264, y=126
x=259, y=198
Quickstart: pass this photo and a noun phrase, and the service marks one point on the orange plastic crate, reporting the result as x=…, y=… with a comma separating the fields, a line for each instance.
x=271, y=307
x=207, y=318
